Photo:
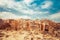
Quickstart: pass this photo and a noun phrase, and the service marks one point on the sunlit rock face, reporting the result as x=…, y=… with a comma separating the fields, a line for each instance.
x=26, y=29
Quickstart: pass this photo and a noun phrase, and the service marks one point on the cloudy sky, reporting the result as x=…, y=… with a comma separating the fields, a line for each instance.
x=30, y=9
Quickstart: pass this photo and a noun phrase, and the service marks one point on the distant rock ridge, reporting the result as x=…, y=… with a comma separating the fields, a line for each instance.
x=43, y=26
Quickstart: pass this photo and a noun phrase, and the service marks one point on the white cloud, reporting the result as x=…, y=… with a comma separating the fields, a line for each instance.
x=23, y=8
x=25, y=17
x=28, y=1
x=32, y=12
x=20, y=6
x=55, y=17
x=46, y=4
x=8, y=15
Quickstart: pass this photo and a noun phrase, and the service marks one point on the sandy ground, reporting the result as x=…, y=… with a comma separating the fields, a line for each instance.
x=25, y=35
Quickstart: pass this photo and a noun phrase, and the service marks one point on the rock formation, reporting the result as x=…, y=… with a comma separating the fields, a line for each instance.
x=42, y=26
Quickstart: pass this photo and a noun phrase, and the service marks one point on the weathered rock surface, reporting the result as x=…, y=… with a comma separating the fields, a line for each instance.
x=32, y=28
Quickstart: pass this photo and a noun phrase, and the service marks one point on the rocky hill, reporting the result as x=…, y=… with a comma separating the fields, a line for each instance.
x=38, y=26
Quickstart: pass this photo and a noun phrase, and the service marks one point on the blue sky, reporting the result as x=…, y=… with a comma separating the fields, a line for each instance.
x=30, y=9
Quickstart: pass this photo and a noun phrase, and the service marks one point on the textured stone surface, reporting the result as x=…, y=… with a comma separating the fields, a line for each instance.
x=25, y=29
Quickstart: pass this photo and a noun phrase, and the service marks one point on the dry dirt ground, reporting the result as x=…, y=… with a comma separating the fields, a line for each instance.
x=25, y=35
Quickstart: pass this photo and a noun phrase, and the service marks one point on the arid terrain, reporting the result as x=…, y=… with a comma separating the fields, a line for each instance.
x=26, y=29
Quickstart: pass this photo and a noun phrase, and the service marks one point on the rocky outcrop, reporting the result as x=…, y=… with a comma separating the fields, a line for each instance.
x=43, y=26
